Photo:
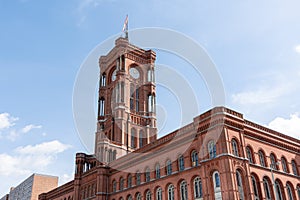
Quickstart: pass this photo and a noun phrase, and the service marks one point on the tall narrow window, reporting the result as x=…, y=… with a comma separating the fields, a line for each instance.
x=103, y=80
x=114, y=186
x=197, y=188
x=137, y=100
x=298, y=191
x=262, y=158
x=234, y=147
x=183, y=191
x=150, y=103
x=157, y=171
x=171, y=192
x=273, y=161
x=159, y=194
x=129, y=197
x=212, y=149
x=267, y=188
x=217, y=185
x=131, y=97
x=239, y=184
x=284, y=165
x=278, y=190
x=102, y=106
x=121, y=183
x=255, y=189
x=249, y=154
x=289, y=192
x=138, y=196
x=138, y=178
x=129, y=181
x=194, y=158
x=181, y=163
x=148, y=195
x=147, y=174
x=141, y=139
x=294, y=167
x=133, y=138
x=169, y=167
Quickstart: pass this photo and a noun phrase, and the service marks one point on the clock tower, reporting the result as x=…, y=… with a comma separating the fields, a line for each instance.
x=126, y=104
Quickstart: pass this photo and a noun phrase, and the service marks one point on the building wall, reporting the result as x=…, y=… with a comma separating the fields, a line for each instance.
x=5, y=197
x=41, y=184
x=221, y=125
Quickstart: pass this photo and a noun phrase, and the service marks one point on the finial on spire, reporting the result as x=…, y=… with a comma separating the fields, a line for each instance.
x=125, y=27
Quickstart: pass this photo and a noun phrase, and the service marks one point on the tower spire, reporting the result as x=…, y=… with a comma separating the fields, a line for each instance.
x=125, y=27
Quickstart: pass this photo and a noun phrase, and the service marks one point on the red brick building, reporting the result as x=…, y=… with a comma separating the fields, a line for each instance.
x=220, y=155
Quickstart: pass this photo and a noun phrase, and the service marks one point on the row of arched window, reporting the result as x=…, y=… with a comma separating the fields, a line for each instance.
x=147, y=173
x=88, y=191
x=274, y=163
x=282, y=192
x=183, y=190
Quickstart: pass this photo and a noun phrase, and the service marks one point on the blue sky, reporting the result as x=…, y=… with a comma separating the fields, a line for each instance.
x=255, y=46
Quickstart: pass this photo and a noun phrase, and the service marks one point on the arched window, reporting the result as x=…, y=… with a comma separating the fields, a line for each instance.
x=169, y=167
x=138, y=196
x=147, y=174
x=194, y=158
x=294, y=167
x=183, y=191
x=181, y=163
x=137, y=100
x=267, y=188
x=217, y=185
x=262, y=158
x=289, y=191
x=239, y=184
x=131, y=97
x=298, y=191
x=278, y=190
x=121, y=183
x=198, y=188
x=212, y=149
x=129, y=181
x=148, y=195
x=133, y=138
x=102, y=106
x=159, y=194
x=129, y=197
x=171, y=192
x=234, y=146
x=249, y=154
x=151, y=103
x=114, y=186
x=157, y=171
x=284, y=165
x=103, y=80
x=121, y=198
x=141, y=139
x=273, y=161
x=138, y=178
x=255, y=188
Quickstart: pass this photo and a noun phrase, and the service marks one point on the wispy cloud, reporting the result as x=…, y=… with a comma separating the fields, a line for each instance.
x=290, y=126
x=31, y=158
x=29, y=127
x=7, y=121
x=297, y=48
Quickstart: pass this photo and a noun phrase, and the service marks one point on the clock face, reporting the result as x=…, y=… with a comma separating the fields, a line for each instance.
x=134, y=73
x=114, y=75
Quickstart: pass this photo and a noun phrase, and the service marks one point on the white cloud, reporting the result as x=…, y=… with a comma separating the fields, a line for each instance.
x=43, y=148
x=65, y=178
x=6, y=121
x=290, y=126
x=29, y=159
x=29, y=127
x=261, y=95
x=297, y=49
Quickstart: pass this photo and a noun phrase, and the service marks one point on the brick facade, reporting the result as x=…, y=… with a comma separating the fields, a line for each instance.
x=220, y=155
